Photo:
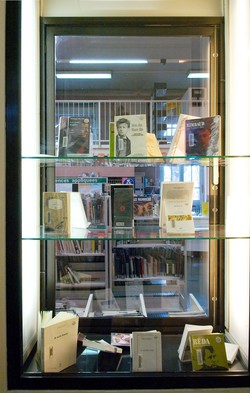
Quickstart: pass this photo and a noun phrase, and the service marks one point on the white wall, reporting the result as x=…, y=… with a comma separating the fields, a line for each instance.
x=237, y=30
x=132, y=8
x=111, y=8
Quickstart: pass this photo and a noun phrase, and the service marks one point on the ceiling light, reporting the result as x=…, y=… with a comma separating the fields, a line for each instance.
x=198, y=75
x=108, y=61
x=84, y=75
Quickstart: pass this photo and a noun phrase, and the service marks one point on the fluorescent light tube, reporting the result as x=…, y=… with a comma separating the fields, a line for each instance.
x=107, y=61
x=198, y=75
x=84, y=75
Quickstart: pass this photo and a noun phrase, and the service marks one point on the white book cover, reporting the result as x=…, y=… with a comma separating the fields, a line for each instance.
x=130, y=136
x=178, y=144
x=184, y=352
x=58, y=342
x=176, y=208
x=146, y=351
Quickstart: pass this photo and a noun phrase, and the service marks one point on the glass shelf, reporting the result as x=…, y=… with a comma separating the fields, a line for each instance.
x=133, y=161
x=215, y=232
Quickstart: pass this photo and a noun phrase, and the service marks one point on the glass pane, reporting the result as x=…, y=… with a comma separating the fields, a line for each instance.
x=96, y=79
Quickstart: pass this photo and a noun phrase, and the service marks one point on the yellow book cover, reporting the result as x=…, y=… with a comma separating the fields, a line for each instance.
x=208, y=352
x=56, y=213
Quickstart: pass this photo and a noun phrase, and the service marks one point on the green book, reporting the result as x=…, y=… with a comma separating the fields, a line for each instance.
x=208, y=352
x=111, y=139
x=122, y=205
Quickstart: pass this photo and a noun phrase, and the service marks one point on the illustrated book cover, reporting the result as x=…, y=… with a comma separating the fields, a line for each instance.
x=184, y=347
x=130, y=136
x=56, y=213
x=203, y=136
x=208, y=352
x=176, y=208
x=146, y=351
x=57, y=344
x=74, y=136
x=122, y=205
x=143, y=206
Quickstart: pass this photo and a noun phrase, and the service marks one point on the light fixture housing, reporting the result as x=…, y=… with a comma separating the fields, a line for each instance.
x=198, y=75
x=84, y=75
x=108, y=61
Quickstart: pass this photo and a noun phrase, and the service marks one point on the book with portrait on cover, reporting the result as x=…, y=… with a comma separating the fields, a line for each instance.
x=130, y=136
x=208, y=352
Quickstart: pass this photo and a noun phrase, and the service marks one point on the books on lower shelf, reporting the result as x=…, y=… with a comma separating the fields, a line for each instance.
x=146, y=351
x=57, y=343
x=208, y=352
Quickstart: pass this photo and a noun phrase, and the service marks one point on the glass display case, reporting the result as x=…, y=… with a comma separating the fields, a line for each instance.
x=130, y=278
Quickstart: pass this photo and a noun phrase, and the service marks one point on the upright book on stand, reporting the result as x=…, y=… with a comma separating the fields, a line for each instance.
x=122, y=205
x=130, y=136
x=176, y=208
x=57, y=343
x=184, y=352
x=203, y=136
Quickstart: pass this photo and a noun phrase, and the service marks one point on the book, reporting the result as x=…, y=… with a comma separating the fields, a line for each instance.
x=231, y=351
x=74, y=136
x=130, y=136
x=122, y=205
x=178, y=144
x=184, y=347
x=62, y=136
x=146, y=351
x=143, y=206
x=57, y=344
x=176, y=208
x=100, y=345
x=121, y=339
x=153, y=149
x=203, y=136
x=111, y=139
x=208, y=352
x=56, y=213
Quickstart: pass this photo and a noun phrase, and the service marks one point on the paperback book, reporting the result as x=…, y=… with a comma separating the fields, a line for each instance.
x=56, y=213
x=203, y=136
x=74, y=136
x=178, y=145
x=130, y=136
x=208, y=352
x=176, y=208
x=57, y=344
x=184, y=352
x=146, y=351
x=122, y=205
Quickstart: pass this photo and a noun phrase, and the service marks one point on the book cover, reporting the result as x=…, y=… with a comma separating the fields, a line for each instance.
x=184, y=347
x=122, y=205
x=203, y=136
x=143, y=206
x=62, y=136
x=111, y=139
x=178, y=146
x=208, y=352
x=146, y=351
x=176, y=208
x=130, y=136
x=56, y=213
x=78, y=137
x=58, y=342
